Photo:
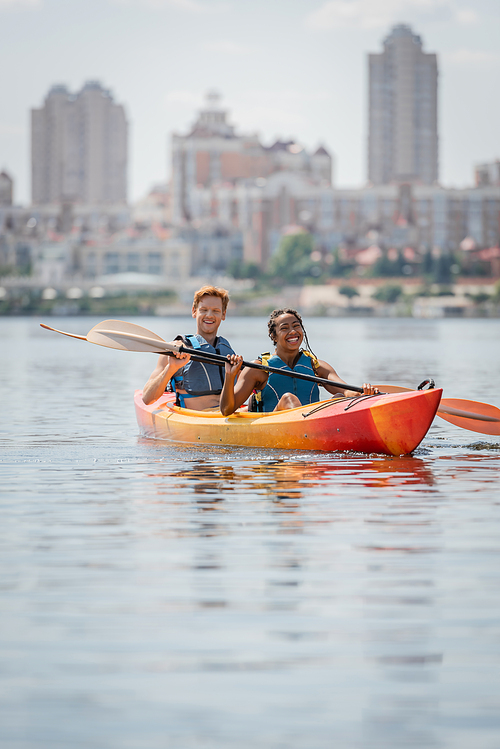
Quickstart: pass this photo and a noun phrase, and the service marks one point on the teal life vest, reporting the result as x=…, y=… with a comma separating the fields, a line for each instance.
x=196, y=377
x=277, y=385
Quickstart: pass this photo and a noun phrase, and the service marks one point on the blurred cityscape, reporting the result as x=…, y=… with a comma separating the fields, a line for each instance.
x=266, y=221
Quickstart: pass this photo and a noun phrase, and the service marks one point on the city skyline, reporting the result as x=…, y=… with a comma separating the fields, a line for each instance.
x=160, y=58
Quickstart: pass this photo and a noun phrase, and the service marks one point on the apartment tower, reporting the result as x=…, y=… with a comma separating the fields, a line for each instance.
x=79, y=148
x=403, y=132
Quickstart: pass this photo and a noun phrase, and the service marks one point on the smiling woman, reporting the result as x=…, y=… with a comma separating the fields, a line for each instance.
x=271, y=392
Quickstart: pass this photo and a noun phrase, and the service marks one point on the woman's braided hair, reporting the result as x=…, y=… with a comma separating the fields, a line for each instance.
x=271, y=325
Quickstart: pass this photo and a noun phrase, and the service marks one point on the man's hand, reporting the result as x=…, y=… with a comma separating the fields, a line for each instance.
x=165, y=369
x=177, y=359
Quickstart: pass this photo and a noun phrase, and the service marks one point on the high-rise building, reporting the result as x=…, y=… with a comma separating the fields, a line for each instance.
x=403, y=132
x=488, y=174
x=79, y=147
x=212, y=154
x=6, y=188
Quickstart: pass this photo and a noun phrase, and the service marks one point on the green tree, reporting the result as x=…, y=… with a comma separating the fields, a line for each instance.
x=427, y=263
x=349, y=291
x=292, y=261
x=240, y=269
x=496, y=294
x=388, y=293
x=335, y=267
x=480, y=297
x=443, y=268
x=384, y=267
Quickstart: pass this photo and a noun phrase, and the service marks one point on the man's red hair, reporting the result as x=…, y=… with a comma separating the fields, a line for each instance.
x=211, y=291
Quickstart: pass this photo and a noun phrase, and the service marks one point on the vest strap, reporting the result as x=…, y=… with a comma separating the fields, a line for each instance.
x=314, y=361
x=193, y=341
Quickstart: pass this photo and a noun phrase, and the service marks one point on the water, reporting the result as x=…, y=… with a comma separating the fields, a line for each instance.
x=157, y=595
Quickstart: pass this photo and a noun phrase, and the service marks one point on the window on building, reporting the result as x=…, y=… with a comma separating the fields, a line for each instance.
x=111, y=262
x=91, y=269
x=155, y=263
x=133, y=262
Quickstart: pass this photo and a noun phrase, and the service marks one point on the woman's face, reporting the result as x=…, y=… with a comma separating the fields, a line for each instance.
x=288, y=333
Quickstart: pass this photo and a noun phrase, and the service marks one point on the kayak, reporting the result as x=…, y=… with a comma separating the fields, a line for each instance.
x=393, y=424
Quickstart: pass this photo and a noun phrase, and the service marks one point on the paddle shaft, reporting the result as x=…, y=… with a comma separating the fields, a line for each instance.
x=62, y=332
x=221, y=361
x=162, y=347
x=466, y=414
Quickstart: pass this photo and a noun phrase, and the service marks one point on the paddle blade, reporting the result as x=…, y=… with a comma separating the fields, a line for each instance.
x=473, y=415
x=127, y=336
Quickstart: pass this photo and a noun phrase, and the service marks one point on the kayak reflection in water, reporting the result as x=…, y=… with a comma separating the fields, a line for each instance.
x=275, y=392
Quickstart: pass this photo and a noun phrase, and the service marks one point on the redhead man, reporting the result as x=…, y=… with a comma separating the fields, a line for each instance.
x=197, y=385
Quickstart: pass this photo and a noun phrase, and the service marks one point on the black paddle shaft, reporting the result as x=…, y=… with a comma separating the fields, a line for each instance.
x=221, y=361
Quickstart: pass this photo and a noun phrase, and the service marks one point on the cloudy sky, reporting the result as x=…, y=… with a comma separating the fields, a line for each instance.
x=289, y=68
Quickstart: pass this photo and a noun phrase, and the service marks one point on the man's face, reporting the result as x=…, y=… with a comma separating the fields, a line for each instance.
x=208, y=315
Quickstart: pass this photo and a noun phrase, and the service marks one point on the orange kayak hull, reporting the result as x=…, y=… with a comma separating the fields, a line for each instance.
x=392, y=424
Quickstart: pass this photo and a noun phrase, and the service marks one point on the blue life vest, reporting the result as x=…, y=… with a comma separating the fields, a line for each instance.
x=200, y=378
x=277, y=385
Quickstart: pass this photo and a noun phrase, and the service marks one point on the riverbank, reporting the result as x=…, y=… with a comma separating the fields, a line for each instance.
x=385, y=297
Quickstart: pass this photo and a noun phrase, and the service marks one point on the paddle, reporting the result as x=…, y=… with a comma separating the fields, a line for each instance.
x=473, y=415
x=71, y=335
x=125, y=336
x=117, y=334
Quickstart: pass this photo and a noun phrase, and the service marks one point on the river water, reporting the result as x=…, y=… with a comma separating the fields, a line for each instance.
x=157, y=595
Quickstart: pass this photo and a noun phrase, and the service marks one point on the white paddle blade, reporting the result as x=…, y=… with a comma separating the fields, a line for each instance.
x=127, y=336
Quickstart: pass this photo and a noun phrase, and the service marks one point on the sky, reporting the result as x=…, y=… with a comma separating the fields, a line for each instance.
x=285, y=68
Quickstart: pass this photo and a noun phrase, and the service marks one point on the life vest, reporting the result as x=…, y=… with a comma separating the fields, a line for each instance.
x=277, y=385
x=196, y=377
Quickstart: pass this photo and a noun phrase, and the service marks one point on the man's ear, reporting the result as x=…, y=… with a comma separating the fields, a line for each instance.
x=223, y=315
x=193, y=312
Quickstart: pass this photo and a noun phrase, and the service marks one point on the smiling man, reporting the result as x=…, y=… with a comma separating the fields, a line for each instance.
x=197, y=385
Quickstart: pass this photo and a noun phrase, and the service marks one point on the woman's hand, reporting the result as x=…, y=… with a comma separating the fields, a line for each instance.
x=370, y=389
x=233, y=365
x=228, y=403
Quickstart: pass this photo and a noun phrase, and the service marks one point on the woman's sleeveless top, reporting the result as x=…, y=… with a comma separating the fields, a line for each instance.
x=277, y=385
